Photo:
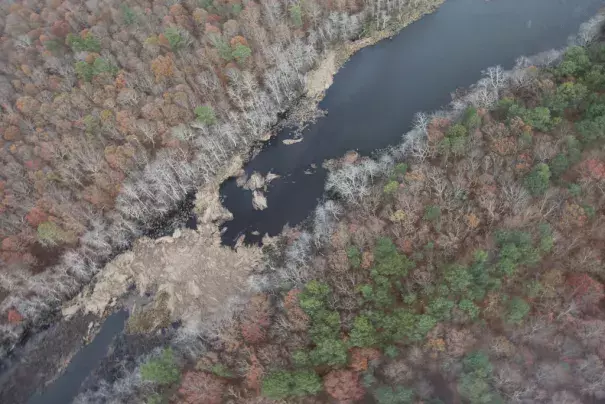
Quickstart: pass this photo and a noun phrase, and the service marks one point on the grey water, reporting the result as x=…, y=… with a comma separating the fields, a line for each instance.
x=66, y=387
x=375, y=95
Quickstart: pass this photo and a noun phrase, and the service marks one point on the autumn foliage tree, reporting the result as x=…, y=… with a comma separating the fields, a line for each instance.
x=344, y=386
x=198, y=387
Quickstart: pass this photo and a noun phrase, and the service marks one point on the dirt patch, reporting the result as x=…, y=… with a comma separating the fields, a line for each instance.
x=321, y=78
x=192, y=269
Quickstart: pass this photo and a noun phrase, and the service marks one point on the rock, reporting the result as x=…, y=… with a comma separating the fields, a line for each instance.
x=165, y=239
x=350, y=157
x=241, y=179
x=288, y=142
x=259, y=201
x=256, y=181
x=177, y=233
x=270, y=177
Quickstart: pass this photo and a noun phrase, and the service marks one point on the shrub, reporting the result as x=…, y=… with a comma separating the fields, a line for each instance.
x=568, y=95
x=344, y=385
x=575, y=62
x=458, y=146
x=331, y=352
x=282, y=384
x=401, y=168
x=540, y=119
x=382, y=294
x=325, y=325
x=558, y=165
x=538, y=180
x=296, y=14
x=222, y=46
x=50, y=234
x=518, y=309
x=534, y=289
x=546, y=238
x=394, y=395
x=388, y=260
x=313, y=297
x=87, y=42
x=591, y=130
x=354, y=256
x=459, y=278
x=440, y=308
x=174, y=37
x=471, y=119
x=277, y=385
x=301, y=359
x=424, y=325
x=87, y=71
x=432, y=213
x=457, y=130
x=398, y=325
x=455, y=141
x=128, y=14
x=363, y=334
x=205, y=114
x=470, y=308
x=475, y=389
x=391, y=187
x=84, y=71
x=575, y=190
x=391, y=351
x=241, y=53
x=162, y=370
x=221, y=370
x=474, y=384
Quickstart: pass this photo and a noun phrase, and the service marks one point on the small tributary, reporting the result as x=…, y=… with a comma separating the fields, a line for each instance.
x=67, y=386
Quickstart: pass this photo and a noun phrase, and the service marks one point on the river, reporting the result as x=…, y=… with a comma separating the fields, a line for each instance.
x=375, y=95
x=370, y=105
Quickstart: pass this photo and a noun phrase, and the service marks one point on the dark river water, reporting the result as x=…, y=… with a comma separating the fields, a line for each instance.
x=370, y=105
x=67, y=386
x=375, y=95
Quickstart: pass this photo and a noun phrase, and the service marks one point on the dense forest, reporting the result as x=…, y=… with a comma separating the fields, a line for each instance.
x=463, y=266
x=111, y=112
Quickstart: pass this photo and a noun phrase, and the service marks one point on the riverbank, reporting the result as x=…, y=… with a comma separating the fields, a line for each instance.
x=440, y=86
x=297, y=265
x=208, y=208
x=456, y=254
x=209, y=211
x=304, y=110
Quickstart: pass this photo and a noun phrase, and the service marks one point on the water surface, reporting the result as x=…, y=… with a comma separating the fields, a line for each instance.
x=375, y=95
x=67, y=386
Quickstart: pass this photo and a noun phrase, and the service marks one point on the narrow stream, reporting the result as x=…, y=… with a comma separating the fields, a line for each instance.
x=375, y=95
x=67, y=386
x=370, y=105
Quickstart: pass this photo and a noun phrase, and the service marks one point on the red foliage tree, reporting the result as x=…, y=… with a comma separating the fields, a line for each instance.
x=344, y=386
x=253, y=333
x=36, y=216
x=256, y=319
x=593, y=169
x=14, y=317
x=361, y=356
x=201, y=387
x=587, y=291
